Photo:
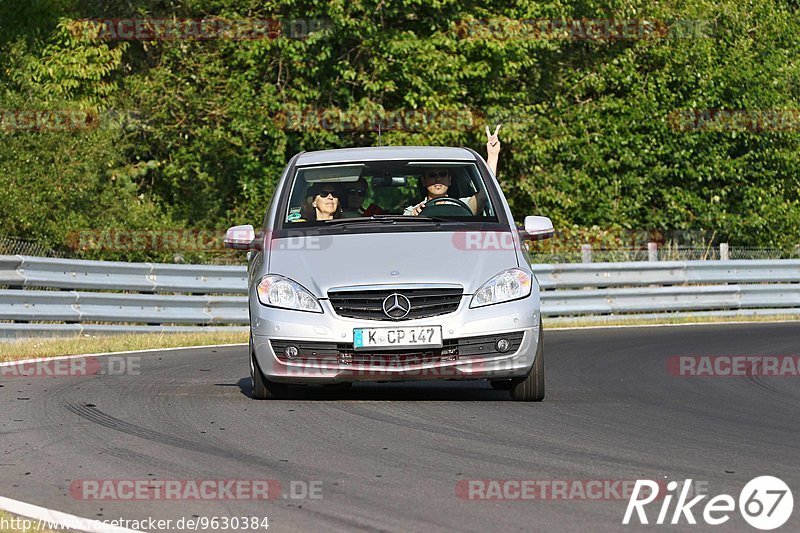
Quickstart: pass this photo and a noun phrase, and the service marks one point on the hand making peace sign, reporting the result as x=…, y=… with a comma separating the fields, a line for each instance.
x=492, y=141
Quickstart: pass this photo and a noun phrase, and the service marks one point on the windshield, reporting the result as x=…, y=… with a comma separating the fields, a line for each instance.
x=403, y=191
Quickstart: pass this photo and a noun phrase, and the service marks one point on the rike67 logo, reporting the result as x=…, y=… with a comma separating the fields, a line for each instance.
x=765, y=503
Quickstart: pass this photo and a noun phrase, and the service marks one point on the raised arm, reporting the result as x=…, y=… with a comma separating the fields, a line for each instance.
x=492, y=148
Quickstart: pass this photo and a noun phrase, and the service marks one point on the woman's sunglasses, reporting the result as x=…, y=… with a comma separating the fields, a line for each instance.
x=325, y=194
x=361, y=192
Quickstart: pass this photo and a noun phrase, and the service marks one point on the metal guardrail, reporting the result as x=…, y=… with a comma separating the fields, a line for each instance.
x=59, y=296
x=73, y=306
x=679, y=298
x=23, y=271
x=575, y=275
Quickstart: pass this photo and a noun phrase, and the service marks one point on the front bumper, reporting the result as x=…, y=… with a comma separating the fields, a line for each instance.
x=270, y=324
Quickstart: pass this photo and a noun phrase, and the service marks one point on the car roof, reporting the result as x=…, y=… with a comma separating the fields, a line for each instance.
x=384, y=153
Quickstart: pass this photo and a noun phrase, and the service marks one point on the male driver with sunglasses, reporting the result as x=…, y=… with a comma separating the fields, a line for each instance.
x=437, y=180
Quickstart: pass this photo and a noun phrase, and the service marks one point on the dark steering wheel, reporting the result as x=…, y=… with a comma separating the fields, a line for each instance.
x=446, y=201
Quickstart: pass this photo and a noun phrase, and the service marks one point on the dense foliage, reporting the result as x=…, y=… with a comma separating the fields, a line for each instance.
x=599, y=130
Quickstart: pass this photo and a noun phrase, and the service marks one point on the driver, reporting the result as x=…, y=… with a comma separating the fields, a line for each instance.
x=437, y=180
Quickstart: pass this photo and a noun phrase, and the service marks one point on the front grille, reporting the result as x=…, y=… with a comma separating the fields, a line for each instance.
x=451, y=350
x=368, y=304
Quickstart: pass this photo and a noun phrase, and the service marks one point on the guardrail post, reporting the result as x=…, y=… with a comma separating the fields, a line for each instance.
x=723, y=251
x=652, y=251
x=586, y=253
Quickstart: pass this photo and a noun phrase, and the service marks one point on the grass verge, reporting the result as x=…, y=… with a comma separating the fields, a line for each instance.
x=28, y=348
x=578, y=322
x=8, y=520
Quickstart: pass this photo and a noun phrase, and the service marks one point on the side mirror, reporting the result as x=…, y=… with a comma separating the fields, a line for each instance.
x=240, y=237
x=538, y=228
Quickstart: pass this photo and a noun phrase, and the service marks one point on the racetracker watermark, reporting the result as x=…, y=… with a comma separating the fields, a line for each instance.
x=765, y=503
x=186, y=240
x=52, y=120
x=73, y=367
x=547, y=489
x=722, y=120
x=475, y=241
x=732, y=366
x=195, y=29
x=353, y=365
x=194, y=523
x=175, y=489
x=606, y=29
x=69, y=120
x=334, y=119
x=123, y=240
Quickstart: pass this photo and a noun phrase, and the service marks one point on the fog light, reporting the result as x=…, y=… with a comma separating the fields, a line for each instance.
x=291, y=352
x=503, y=345
x=345, y=358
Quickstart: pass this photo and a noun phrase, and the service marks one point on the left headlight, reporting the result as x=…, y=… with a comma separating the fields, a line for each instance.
x=508, y=285
x=277, y=291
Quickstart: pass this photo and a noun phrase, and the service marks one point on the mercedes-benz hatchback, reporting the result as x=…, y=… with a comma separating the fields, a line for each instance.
x=388, y=264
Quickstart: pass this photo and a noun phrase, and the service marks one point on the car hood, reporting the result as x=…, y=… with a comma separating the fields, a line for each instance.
x=464, y=258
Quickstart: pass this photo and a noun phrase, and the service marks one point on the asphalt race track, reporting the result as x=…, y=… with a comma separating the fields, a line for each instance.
x=389, y=456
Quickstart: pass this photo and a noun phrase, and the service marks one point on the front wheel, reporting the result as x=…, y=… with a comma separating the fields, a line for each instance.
x=262, y=389
x=531, y=387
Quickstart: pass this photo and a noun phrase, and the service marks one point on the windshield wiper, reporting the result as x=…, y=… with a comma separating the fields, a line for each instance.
x=408, y=218
x=385, y=219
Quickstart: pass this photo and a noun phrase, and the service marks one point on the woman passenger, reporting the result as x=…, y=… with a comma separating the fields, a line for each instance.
x=322, y=203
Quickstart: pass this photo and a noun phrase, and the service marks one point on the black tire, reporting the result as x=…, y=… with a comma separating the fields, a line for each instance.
x=531, y=387
x=501, y=384
x=262, y=389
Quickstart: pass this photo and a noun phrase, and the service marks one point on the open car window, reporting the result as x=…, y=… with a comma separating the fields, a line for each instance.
x=386, y=188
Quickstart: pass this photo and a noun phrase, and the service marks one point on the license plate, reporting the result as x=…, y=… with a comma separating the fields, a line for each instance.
x=405, y=337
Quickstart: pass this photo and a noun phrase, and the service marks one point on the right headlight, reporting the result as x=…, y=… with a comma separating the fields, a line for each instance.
x=506, y=286
x=278, y=291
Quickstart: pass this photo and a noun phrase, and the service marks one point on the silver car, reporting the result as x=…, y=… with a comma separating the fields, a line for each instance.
x=389, y=264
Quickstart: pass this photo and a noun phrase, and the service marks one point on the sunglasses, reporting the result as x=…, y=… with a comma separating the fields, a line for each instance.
x=325, y=194
x=357, y=191
x=436, y=174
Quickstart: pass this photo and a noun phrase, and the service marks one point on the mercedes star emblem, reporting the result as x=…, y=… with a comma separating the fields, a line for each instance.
x=396, y=306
